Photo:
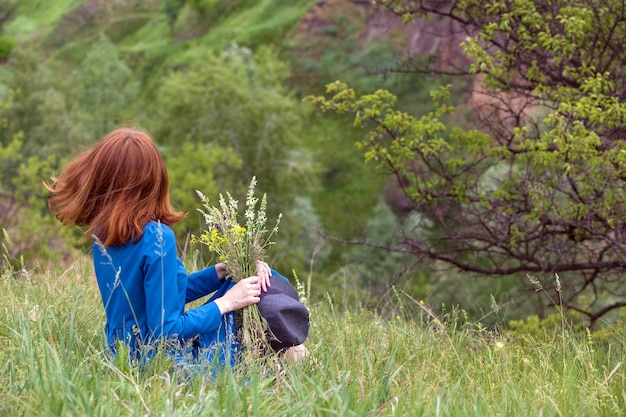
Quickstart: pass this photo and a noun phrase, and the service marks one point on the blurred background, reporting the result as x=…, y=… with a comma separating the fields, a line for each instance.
x=220, y=85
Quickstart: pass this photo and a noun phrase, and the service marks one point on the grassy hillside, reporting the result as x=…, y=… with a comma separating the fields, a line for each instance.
x=53, y=363
x=143, y=31
x=35, y=19
x=408, y=361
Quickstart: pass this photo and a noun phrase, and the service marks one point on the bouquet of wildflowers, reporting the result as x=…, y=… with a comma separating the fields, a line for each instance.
x=239, y=247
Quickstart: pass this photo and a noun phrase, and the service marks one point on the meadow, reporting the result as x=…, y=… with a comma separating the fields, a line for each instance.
x=390, y=356
x=53, y=363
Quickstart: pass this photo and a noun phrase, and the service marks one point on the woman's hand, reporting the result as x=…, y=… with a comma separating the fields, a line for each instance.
x=220, y=270
x=264, y=273
x=242, y=294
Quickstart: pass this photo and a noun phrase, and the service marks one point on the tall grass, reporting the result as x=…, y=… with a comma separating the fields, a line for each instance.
x=53, y=362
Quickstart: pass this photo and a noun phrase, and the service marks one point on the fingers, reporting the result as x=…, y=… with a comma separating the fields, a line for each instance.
x=220, y=270
x=251, y=280
x=244, y=293
x=252, y=287
x=247, y=291
x=264, y=273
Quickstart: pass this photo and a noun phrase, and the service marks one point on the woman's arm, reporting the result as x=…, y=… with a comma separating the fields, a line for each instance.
x=165, y=300
x=204, y=282
x=166, y=292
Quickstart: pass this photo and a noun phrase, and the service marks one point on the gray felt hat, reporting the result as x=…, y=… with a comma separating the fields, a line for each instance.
x=287, y=317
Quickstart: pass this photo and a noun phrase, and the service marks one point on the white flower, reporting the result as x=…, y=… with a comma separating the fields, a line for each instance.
x=33, y=314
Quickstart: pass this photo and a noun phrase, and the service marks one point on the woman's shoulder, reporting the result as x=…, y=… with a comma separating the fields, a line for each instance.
x=155, y=230
x=154, y=233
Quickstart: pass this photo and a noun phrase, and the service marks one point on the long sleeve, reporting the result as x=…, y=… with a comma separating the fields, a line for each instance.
x=201, y=283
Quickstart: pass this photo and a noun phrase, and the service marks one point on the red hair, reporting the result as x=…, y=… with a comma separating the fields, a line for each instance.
x=114, y=188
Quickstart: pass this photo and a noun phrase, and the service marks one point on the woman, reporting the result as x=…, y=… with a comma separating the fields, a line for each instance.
x=119, y=191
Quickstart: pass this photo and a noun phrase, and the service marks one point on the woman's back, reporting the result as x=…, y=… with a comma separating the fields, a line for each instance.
x=128, y=276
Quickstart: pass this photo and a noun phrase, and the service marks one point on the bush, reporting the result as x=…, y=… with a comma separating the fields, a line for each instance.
x=6, y=47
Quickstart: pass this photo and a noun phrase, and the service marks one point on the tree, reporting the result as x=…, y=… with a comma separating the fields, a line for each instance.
x=203, y=167
x=26, y=226
x=236, y=99
x=379, y=269
x=533, y=183
x=41, y=107
x=7, y=11
x=24, y=91
x=107, y=88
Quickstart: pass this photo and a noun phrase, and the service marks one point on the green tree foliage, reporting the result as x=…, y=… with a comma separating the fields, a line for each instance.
x=41, y=108
x=380, y=266
x=6, y=46
x=298, y=246
x=208, y=168
x=26, y=225
x=237, y=100
x=44, y=117
x=535, y=183
x=338, y=40
x=107, y=88
x=379, y=269
x=23, y=90
x=7, y=11
x=171, y=8
x=56, y=114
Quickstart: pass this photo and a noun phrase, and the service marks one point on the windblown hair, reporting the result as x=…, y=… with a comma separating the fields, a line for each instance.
x=114, y=188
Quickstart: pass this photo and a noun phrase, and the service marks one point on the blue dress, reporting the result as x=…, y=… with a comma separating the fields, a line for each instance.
x=145, y=287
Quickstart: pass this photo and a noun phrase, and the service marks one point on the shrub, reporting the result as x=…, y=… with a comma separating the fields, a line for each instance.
x=6, y=46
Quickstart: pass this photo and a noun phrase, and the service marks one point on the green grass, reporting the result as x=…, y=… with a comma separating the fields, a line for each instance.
x=265, y=21
x=35, y=18
x=52, y=362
